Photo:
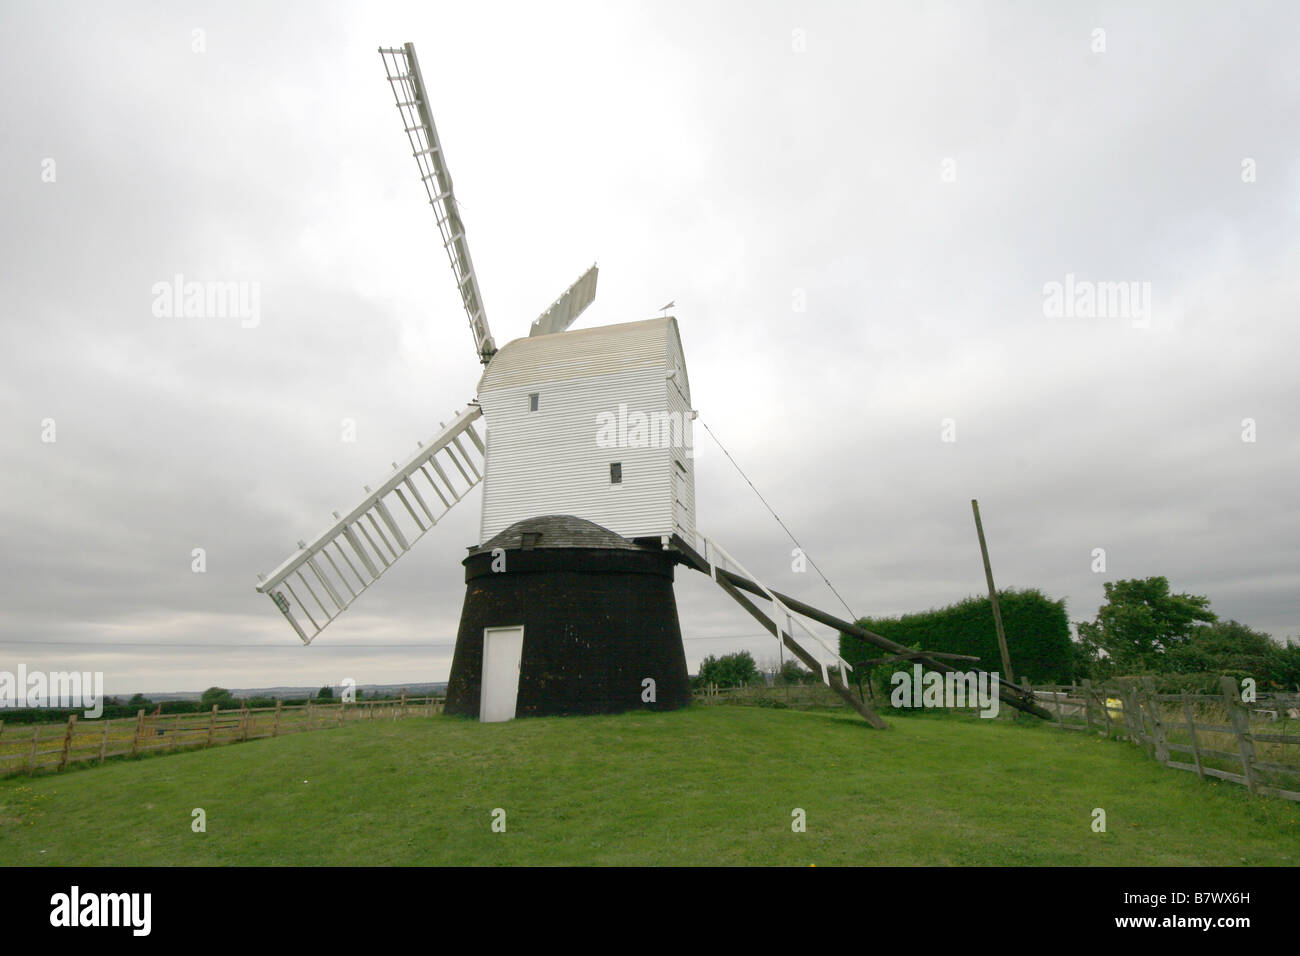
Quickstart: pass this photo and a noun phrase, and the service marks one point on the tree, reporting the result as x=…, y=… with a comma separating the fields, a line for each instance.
x=1087, y=662
x=1225, y=646
x=325, y=693
x=1285, y=664
x=218, y=697
x=792, y=672
x=730, y=670
x=1141, y=622
x=787, y=671
x=1230, y=647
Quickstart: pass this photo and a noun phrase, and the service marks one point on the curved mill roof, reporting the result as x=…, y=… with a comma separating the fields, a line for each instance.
x=555, y=531
x=584, y=353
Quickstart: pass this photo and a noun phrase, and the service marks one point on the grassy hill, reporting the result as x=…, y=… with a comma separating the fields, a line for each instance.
x=709, y=785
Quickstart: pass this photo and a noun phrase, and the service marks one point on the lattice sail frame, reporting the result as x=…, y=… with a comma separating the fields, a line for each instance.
x=407, y=83
x=379, y=530
x=572, y=301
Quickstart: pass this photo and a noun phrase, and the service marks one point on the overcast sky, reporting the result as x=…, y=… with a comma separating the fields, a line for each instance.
x=859, y=210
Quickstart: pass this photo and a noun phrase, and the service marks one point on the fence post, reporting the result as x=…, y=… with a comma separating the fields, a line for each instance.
x=1148, y=737
x=31, y=757
x=1241, y=728
x=1104, y=697
x=67, y=740
x=1087, y=704
x=1191, y=728
x=103, y=744
x=275, y=728
x=139, y=726
x=342, y=705
x=1126, y=711
x=402, y=712
x=212, y=725
x=309, y=713
x=1133, y=715
x=1157, y=724
x=244, y=720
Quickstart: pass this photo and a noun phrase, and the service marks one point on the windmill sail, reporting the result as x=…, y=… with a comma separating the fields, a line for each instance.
x=568, y=306
x=322, y=579
x=408, y=89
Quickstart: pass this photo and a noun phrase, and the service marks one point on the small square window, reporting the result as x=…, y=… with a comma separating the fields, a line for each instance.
x=532, y=401
x=615, y=472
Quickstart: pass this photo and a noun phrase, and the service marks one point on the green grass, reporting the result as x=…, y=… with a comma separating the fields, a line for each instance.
x=707, y=785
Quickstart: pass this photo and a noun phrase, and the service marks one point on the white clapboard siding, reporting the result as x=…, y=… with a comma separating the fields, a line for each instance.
x=679, y=403
x=550, y=461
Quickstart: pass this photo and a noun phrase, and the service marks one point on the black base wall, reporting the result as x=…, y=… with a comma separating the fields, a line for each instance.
x=596, y=623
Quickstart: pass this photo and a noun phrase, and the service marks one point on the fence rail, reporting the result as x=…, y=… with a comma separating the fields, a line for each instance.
x=1255, y=744
x=795, y=696
x=31, y=748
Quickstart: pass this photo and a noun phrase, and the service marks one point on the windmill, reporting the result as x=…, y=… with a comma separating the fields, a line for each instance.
x=588, y=504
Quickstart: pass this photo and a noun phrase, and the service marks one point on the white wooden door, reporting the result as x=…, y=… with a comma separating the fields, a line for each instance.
x=503, y=648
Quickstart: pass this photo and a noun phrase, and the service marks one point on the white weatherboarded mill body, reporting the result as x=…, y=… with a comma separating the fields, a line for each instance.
x=594, y=423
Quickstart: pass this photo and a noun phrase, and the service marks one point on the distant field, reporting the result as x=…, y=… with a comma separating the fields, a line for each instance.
x=707, y=785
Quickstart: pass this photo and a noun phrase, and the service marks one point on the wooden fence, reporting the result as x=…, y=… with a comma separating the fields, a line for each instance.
x=1212, y=735
x=1255, y=744
x=29, y=748
x=795, y=696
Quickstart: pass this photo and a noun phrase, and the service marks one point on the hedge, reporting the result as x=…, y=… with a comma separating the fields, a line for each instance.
x=1037, y=629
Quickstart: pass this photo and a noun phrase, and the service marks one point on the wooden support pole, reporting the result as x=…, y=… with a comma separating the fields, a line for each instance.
x=31, y=757
x=993, y=596
x=867, y=714
x=1087, y=704
x=103, y=744
x=212, y=726
x=275, y=729
x=692, y=559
